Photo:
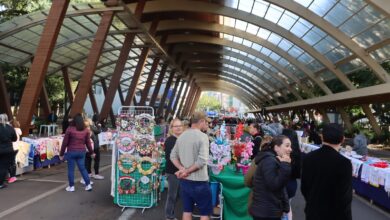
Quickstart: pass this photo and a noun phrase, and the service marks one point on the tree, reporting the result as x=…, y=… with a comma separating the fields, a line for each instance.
x=208, y=103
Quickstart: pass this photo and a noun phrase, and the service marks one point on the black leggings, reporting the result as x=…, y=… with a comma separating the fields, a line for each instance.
x=88, y=161
x=5, y=162
x=12, y=167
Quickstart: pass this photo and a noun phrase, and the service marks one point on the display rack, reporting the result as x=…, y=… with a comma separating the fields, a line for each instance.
x=137, y=173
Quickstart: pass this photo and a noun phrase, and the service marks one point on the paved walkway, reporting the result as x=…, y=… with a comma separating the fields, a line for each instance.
x=40, y=195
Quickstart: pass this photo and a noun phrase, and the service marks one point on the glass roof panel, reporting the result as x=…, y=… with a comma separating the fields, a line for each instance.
x=338, y=14
x=321, y=7
x=382, y=53
x=274, y=13
x=374, y=35
x=287, y=20
x=246, y=5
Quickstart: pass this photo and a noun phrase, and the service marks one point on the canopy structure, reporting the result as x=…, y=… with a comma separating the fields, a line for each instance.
x=270, y=54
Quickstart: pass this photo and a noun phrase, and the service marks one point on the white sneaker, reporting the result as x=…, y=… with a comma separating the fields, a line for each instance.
x=98, y=177
x=88, y=188
x=83, y=182
x=70, y=188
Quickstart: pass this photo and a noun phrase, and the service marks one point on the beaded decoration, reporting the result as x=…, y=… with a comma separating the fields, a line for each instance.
x=141, y=186
x=145, y=144
x=128, y=160
x=125, y=143
x=152, y=168
x=144, y=123
x=126, y=185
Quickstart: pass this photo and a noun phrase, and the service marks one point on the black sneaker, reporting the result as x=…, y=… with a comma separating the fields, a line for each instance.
x=3, y=186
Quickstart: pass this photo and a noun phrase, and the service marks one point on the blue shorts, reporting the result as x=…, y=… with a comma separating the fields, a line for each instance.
x=196, y=192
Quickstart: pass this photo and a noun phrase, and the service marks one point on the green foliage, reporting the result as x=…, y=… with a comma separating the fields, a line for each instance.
x=335, y=85
x=55, y=89
x=14, y=8
x=209, y=102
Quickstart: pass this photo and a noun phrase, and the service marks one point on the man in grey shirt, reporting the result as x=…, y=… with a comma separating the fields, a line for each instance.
x=190, y=156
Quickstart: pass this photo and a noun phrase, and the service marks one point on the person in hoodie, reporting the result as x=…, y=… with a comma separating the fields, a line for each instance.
x=272, y=174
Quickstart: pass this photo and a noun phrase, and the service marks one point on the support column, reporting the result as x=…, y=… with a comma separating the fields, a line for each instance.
x=160, y=110
x=149, y=81
x=136, y=75
x=325, y=117
x=68, y=84
x=40, y=64
x=170, y=103
x=116, y=76
x=112, y=115
x=188, y=100
x=196, y=100
x=371, y=119
x=180, y=109
x=122, y=99
x=93, y=101
x=44, y=102
x=95, y=52
x=140, y=67
x=345, y=117
x=157, y=86
x=177, y=99
x=5, y=104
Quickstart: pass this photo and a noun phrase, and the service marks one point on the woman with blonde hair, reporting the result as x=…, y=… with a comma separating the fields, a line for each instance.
x=175, y=129
x=7, y=136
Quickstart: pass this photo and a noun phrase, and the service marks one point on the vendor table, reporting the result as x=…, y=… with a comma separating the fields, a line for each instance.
x=378, y=195
x=235, y=194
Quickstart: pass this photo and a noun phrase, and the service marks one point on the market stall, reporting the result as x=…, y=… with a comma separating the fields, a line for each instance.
x=371, y=176
x=45, y=150
x=136, y=159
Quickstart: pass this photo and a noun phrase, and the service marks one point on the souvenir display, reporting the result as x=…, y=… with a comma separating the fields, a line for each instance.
x=148, y=171
x=127, y=160
x=144, y=123
x=126, y=185
x=145, y=144
x=144, y=185
x=138, y=155
x=125, y=143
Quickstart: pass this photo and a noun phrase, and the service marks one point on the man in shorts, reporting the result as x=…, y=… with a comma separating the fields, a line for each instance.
x=190, y=156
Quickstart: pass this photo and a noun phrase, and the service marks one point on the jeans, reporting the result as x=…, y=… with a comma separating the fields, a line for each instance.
x=76, y=157
x=173, y=189
x=88, y=161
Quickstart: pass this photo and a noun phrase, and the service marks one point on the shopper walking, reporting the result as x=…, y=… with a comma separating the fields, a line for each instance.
x=273, y=171
x=75, y=140
x=190, y=156
x=176, y=128
x=12, y=169
x=95, y=129
x=7, y=136
x=326, y=182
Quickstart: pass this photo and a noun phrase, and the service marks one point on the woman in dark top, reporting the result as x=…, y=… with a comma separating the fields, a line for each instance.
x=7, y=136
x=75, y=140
x=176, y=128
x=271, y=177
x=296, y=162
x=255, y=131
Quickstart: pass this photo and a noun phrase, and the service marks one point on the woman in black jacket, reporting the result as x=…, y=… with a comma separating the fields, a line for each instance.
x=271, y=177
x=7, y=136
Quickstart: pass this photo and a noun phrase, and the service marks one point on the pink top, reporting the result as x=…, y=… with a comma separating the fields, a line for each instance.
x=76, y=140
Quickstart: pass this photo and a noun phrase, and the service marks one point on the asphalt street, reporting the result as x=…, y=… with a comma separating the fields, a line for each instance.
x=41, y=195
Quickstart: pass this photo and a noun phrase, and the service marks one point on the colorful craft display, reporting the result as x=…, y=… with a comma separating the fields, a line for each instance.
x=126, y=185
x=219, y=155
x=46, y=148
x=242, y=152
x=145, y=145
x=138, y=160
x=126, y=143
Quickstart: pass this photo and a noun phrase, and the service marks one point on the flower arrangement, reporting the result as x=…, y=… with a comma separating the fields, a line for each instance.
x=242, y=152
x=219, y=155
x=239, y=131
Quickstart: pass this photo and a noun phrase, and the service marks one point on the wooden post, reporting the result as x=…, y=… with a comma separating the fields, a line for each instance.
x=40, y=64
x=85, y=82
x=157, y=86
x=164, y=96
